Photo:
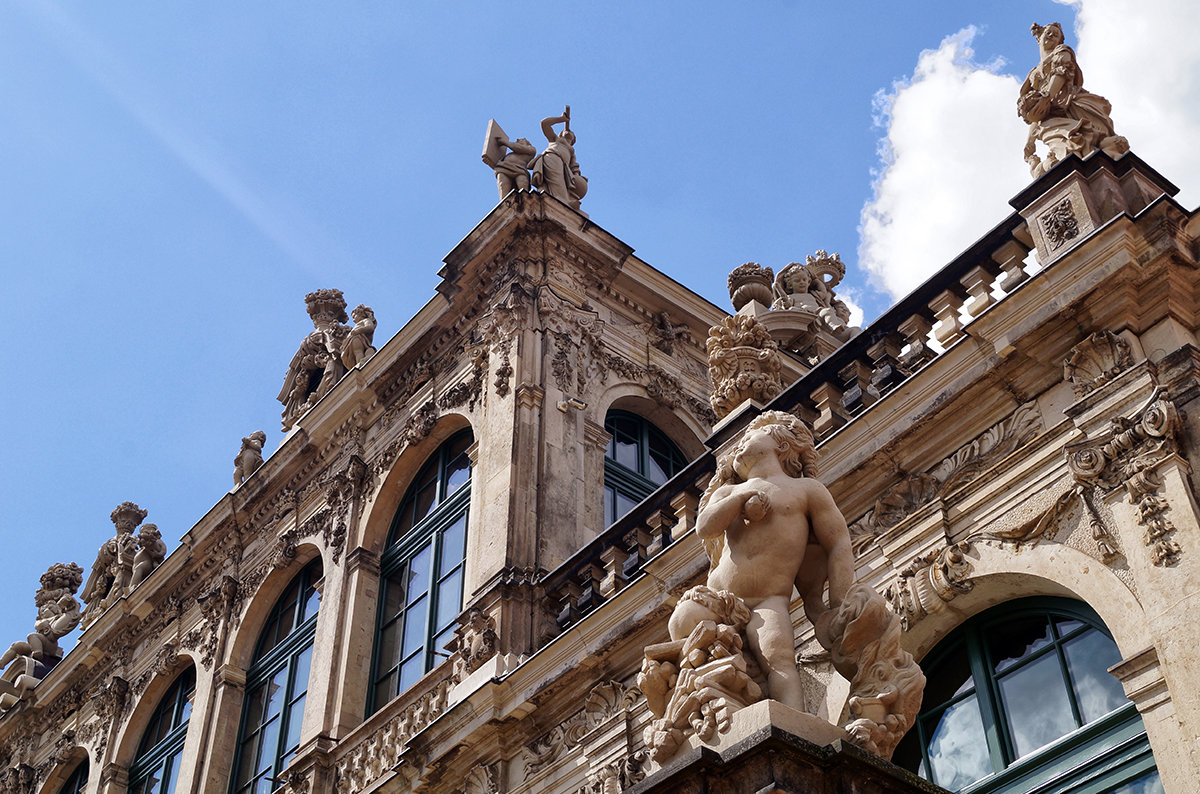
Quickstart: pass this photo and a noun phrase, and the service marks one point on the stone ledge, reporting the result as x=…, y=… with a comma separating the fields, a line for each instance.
x=771, y=747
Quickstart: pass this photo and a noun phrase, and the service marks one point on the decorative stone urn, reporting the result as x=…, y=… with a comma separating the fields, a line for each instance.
x=750, y=282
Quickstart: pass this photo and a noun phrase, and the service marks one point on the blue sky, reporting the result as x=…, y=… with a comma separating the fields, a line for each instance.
x=176, y=176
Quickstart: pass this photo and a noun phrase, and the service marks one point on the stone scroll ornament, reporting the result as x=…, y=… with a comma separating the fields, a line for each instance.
x=1061, y=115
x=25, y=663
x=769, y=528
x=743, y=363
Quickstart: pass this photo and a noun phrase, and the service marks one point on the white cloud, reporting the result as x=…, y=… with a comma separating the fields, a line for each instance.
x=1146, y=62
x=951, y=155
x=944, y=178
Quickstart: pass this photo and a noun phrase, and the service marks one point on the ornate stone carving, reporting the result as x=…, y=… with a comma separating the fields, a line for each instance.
x=1059, y=224
x=25, y=663
x=617, y=775
x=743, y=363
x=166, y=661
x=216, y=606
x=475, y=640
x=112, y=572
x=578, y=356
x=358, y=346
x=662, y=332
x=249, y=458
x=1095, y=361
x=606, y=700
x=1060, y=113
x=508, y=158
x=555, y=170
x=317, y=365
x=298, y=781
x=916, y=490
x=758, y=517
x=930, y=580
x=809, y=287
x=1128, y=455
x=150, y=554
x=20, y=779
x=483, y=779
x=750, y=282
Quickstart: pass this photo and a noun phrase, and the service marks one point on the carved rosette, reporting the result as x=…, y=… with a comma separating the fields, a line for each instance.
x=928, y=582
x=1095, y=361
x=1128, y=455
x=743, y=363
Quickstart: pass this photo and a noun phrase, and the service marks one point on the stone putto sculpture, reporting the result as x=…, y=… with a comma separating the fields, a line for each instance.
x=358, y=345
x=508, y=158
x=112, y=572
x=151, y=552
x=324, y=354
x=555, y=170
x=1060, y=113
x=743, y=363
x=809, y=287
x=769, y=528
x=249, y=458
x=26, y=663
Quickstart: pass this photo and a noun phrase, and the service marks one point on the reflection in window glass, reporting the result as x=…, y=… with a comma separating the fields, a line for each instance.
x=957, y=747
x=423, y=567
x=639, y=459
x=1088, y=658
x=277, y=686
x=1148, y=783
x=1036, y=702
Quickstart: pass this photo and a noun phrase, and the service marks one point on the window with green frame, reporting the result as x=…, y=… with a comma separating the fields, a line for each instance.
x=156, y=767
x=277, y=686
x=1019, y=699
x=638, y=460
x=77, y=782
x=421, y=586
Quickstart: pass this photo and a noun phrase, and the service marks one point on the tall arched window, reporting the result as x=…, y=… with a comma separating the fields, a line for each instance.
x=276, y=686
x=422, y=571
x=639, y=458
x=1019, y=699
x=156, y=767
x=77, y=782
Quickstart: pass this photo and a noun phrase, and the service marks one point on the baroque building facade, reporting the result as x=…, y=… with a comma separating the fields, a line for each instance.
x=446, y=576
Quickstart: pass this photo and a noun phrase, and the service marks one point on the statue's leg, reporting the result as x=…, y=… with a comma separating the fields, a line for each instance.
x=774, y=644
x=505, y=183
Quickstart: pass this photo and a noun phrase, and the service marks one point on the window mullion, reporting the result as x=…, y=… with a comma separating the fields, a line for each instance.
x=995, y=725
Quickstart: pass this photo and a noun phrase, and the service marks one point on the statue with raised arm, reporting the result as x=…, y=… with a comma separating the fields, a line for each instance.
x=555, y=170
x=1060, y=113
x=770, y=529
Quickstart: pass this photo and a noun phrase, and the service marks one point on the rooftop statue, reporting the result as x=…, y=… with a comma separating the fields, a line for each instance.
x=769, y=528
x=1060, y=113
x=249, y=457
x=326, y=353
x=26, y=663
x=555, y=170
x=509, y=159
x=112, y=572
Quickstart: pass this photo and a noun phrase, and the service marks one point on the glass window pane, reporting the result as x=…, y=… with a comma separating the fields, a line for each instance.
x=295, y=720
x=1035, y=701
x=173, y=764
x=1016, y=639
x=1148, y=783
x=439, y=642
x=185, y=711
x=626, y=453
x=403, y=522
x=300, y=679
x=418, y=573
x=152, y=780
x=624, y=504
x=268, y=742
x=1066, y=625
x=958, y=750
x=1097, y=692
x=385, y=690
x=425, y=500
x=656, y=469
x=610, y=505
x=449, y=599
x=393, y=595
x=457, y=473
x=389, y=647
x=411, y=670
x=953, y=678
x=312, y=601
x=249, y=755
x=274, y=693
x=453, y=544
x=415, y=628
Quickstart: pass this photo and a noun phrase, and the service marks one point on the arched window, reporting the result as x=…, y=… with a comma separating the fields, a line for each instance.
x=77, y=782
x=156, y=767
x=639, y=458
x=422, y=572
x=1019, y=699
x=276, y=686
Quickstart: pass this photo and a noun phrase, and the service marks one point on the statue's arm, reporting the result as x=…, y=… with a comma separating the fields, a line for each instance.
x=720, y=512
x=548, y=127
x=829, y=527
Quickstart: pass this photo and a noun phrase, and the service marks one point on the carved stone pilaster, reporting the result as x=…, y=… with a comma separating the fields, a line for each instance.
x=1128, y=455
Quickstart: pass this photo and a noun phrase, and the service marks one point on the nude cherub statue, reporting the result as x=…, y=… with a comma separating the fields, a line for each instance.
x=249, y=457
x=357, y=346
x=151, y=552
x=769, y=527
